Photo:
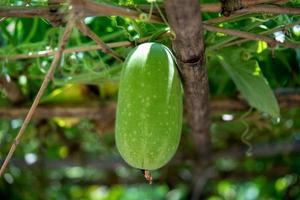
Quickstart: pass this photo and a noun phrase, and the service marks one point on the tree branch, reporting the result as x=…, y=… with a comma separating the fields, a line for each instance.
x=280, y=28
x=234, y=16
x=47, y=112
x=228, y=6
x=250, y=36
x=107, y=111
x=86, y=7
x=41, y=91
x=91, y=8
x=216, y=7
x=270, y=9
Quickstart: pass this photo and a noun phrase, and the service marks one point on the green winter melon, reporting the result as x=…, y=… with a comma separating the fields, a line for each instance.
x=149, y=110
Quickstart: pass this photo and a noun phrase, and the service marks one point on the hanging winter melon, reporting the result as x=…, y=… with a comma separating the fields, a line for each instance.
x=149, y=110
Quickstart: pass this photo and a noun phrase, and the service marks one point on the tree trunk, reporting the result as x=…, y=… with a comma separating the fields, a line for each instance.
x=185, y=20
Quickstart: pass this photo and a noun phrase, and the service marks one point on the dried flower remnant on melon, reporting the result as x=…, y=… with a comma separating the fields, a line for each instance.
x=148, y=176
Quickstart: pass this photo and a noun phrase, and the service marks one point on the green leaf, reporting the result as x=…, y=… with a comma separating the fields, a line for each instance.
x=250, y=81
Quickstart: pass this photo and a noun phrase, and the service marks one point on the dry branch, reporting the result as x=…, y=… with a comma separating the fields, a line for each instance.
x=249, y=6
x=107, y=111
x=283, y=28
x=250, y=36
x=216, y=7
x=235, y=16
x=254, y=7
x=50, y=111
x=270, y=9
x=41, y=91
x=90, y=8
x=86, y=7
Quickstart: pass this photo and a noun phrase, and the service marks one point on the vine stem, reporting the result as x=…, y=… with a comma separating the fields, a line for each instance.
x=54, y=64
x=245, y=136
x=161, y=14
x=105, y=48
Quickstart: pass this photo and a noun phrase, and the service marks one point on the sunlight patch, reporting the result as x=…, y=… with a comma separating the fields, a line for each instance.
x=261, y=46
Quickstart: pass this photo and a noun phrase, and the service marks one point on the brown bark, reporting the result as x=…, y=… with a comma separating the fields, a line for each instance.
x=107, y=111
x=185, y=20
x=85, y=7
x=101, y=9
x=228, y=6
x=48, y=112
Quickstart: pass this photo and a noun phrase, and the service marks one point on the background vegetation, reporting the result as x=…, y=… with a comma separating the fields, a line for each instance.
x=255, y=151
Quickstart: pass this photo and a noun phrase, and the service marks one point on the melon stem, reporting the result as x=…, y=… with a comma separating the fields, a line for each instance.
x=148, y=176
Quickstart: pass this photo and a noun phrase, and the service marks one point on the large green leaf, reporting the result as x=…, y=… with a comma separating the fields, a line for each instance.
x=249, y=80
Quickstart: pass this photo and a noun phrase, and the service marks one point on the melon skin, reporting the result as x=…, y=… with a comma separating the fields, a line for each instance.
x=149, y=110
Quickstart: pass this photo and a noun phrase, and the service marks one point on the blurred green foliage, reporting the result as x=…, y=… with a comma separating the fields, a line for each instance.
x=72, y=158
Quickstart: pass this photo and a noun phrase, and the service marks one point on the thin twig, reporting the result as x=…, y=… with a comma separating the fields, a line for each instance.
x=251, y=7
x=46, y=53
x=105, y=48
x=41, y=91
x=250, y=36
x=280, y=28
x=270, y=9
